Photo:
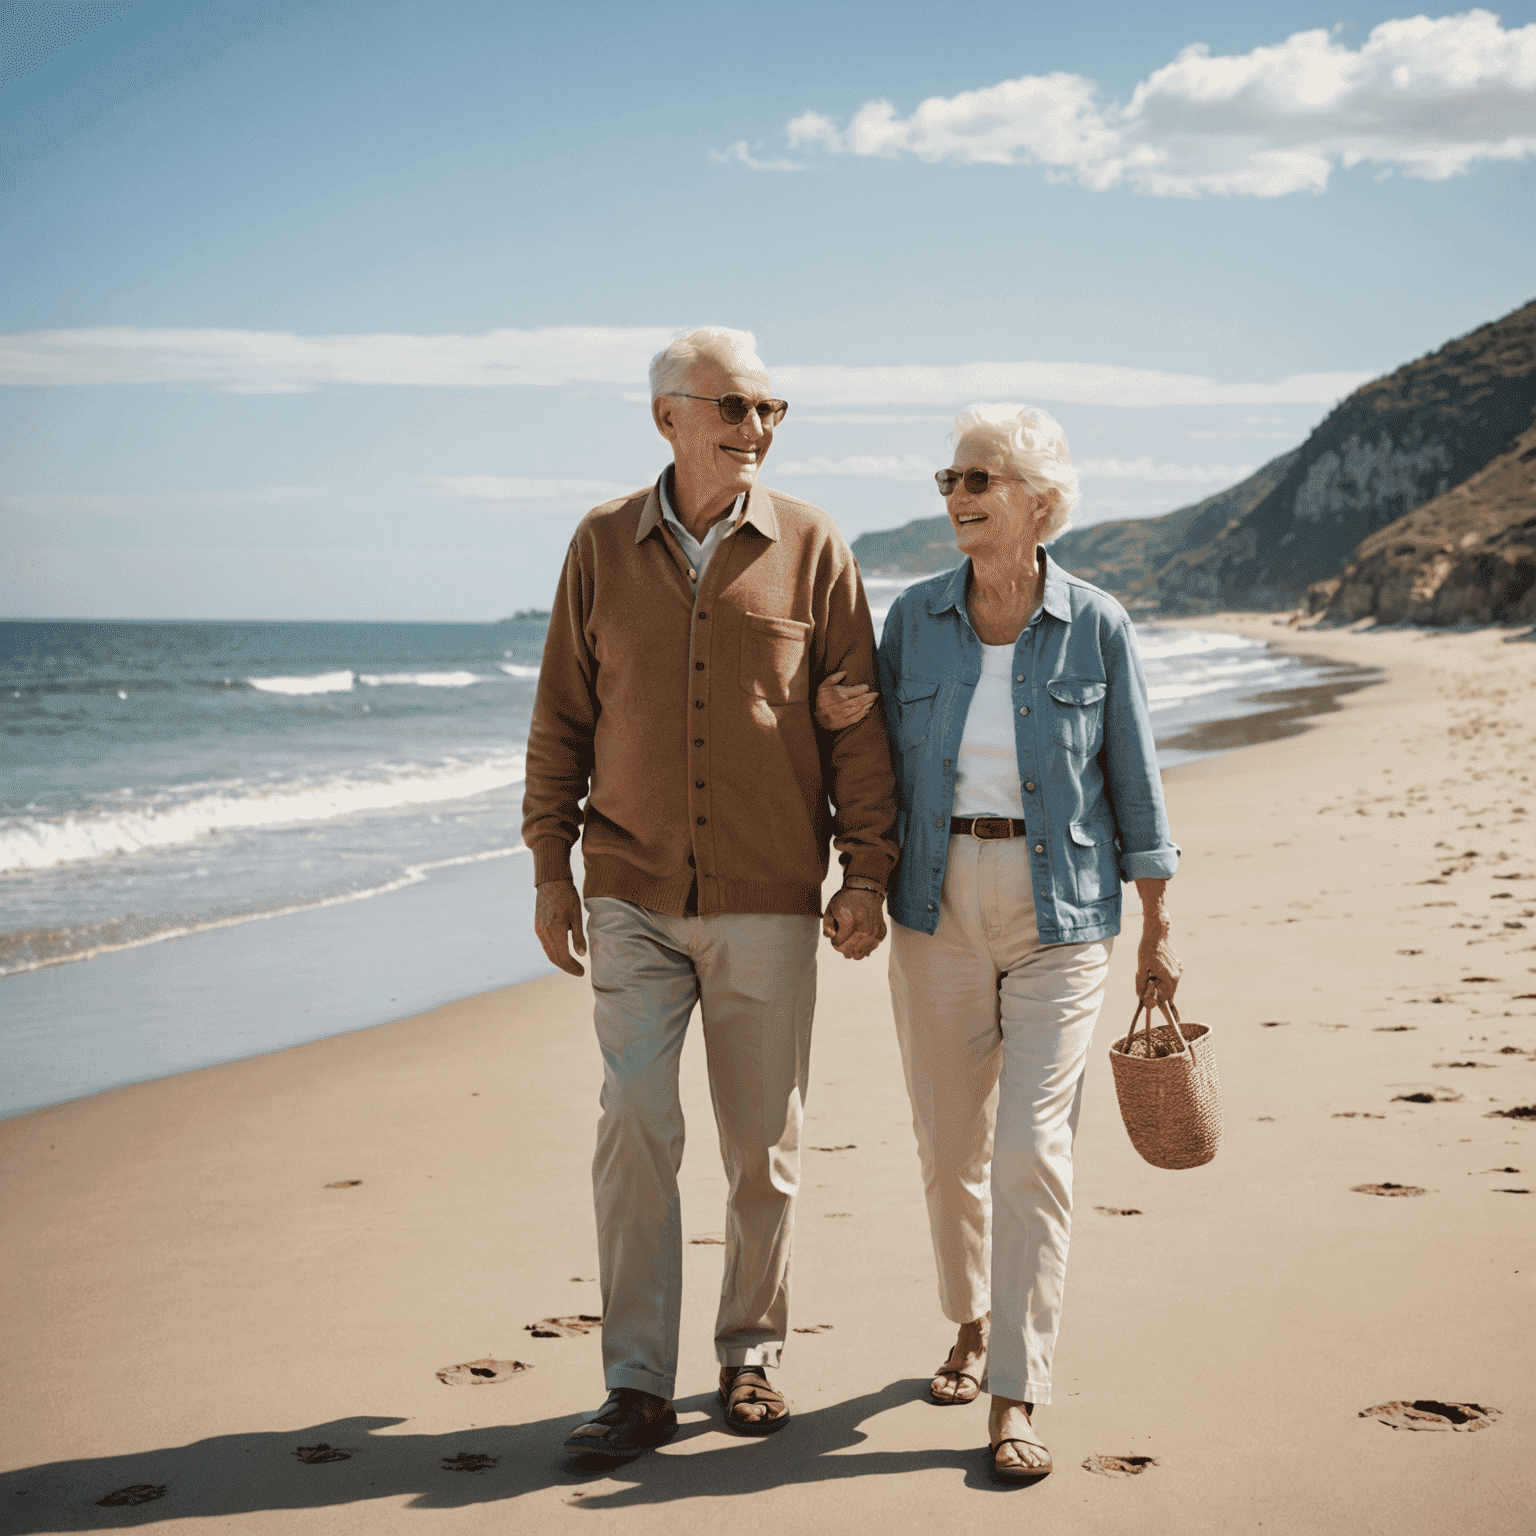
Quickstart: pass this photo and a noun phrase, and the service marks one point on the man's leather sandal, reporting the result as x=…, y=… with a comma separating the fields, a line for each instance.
x=632, y=1422
x=742, y=1384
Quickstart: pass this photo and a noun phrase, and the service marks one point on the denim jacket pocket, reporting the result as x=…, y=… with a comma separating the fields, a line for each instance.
x=1089, y=834
x=1077, y=713
x=775, y=658
x=914, y=710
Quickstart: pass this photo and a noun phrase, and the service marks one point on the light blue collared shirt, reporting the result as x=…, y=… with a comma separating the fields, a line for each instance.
x=1093, y=800
x=698, y=554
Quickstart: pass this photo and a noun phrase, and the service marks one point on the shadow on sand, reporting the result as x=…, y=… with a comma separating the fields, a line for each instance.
x=241, y=1474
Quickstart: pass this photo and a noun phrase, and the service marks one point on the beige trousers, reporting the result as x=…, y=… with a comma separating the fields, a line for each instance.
x=753, y=978
x=994, y=1029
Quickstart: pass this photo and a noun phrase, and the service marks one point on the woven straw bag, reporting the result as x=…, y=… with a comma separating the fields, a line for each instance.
x=1170, y=1096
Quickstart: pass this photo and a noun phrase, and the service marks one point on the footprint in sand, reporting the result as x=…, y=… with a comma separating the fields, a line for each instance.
x=134, y=1493
x=481, y=1373
x=344, y=1184
x=563, y=1327
x=465, y=1461
x=1117, y=1210
x=1426, y=1413
x=1519, y=1112
x=1119, y=1466
x=1427, y=1096
x=1273, y=1023
x=848, y=1147
x=1393, y=1029
x=1356, y=1114
x=815, y=1328
x=835, y=1215
x=1387, y=1189
x=1502, y=1191
x=313, y=1455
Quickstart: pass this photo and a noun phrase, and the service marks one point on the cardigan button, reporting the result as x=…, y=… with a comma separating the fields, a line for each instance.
x=698, y=666
x=1024, y=710
x=698, y=741
x=703, y=820
x=1039, y=847
x=1030, y=788
x=698, y=703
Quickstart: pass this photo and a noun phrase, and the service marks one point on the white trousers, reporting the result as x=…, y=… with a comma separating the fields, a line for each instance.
x=754, y=980
x=994, y=1029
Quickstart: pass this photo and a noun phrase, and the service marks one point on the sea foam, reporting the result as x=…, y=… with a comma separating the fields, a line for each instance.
x=320, y=682
x=38, y=843
x=418, y=679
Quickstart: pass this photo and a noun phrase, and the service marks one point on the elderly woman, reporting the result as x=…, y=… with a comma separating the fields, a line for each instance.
x=1017, y=713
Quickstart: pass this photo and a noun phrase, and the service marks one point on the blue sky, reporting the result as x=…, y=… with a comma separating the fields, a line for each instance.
x=319, y=310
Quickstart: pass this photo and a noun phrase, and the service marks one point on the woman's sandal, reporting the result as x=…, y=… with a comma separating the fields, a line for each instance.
x=741, y=1384
x=1023, y=1472
x=949, y=1402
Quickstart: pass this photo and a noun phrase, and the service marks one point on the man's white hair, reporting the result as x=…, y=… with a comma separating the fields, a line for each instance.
x=1037, y=448
x=670, y=366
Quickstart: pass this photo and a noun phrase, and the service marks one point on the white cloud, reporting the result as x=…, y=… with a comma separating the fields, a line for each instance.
x=866, y=466
x=1163, y=474
x=276, y=361
x=91, y=504
x=1249, y=436
x=519, y=488
x=913, y=466
x=742, y=151
x=1430, y=97
x=247, y=362
x=1073, y=383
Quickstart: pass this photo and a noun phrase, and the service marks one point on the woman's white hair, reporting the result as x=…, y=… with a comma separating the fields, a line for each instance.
x=670, y=366
x=1037, y=448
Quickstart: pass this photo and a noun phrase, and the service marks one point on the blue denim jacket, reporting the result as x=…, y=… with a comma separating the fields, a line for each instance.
x=1093, y=800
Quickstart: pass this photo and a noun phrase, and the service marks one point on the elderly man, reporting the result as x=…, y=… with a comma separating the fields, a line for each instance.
x=694, y=621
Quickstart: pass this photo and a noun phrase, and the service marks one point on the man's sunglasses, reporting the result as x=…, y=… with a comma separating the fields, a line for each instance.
x=976, y=480
x=734, y=408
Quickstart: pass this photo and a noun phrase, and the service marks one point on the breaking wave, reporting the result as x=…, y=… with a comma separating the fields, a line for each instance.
x=41, y=842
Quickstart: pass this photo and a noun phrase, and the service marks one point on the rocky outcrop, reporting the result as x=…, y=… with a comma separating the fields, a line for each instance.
x=1394, y=445
x=1468, y=556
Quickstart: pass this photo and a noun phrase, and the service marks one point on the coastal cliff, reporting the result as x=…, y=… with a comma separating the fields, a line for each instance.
x=1416, y=487
x=1395, y=444
x=1468, y=556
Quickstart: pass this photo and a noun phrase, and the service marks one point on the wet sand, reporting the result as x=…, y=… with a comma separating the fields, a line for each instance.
x=188, y=1304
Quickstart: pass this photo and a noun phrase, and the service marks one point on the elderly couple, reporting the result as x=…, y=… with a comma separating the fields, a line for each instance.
x=705, y=725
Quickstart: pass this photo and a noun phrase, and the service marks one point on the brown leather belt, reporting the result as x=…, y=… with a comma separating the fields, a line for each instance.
x=985, y=828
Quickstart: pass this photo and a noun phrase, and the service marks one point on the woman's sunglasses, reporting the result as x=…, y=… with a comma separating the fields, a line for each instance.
x=734, y=408
x=976, y=480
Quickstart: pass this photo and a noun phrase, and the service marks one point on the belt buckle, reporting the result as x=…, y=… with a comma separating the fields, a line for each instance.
x=978, y=822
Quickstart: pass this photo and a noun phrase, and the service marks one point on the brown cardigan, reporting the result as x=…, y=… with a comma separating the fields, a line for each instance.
x=689, y=718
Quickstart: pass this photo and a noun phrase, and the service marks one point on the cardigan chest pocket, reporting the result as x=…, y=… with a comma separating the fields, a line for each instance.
x=914, y=711
x=776, y=658
x=1077, y=713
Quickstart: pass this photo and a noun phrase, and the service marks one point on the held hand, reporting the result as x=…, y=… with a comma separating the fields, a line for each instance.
x=1157, y=967
x=854, y=923
x=839, y=707
x=556, y=916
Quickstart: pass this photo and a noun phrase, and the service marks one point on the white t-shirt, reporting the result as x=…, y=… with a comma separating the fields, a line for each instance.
x=987, y=773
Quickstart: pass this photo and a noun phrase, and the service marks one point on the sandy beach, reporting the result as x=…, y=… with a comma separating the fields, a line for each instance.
x=207, y=1273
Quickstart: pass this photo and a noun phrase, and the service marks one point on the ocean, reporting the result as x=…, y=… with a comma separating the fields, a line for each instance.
x=218, y=839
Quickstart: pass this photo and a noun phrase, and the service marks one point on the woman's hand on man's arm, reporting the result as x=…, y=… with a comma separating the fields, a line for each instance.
x=838, y=707
x=1156, y=963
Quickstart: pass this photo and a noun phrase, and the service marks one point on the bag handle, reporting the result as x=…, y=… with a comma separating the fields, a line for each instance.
x=1170, y=1012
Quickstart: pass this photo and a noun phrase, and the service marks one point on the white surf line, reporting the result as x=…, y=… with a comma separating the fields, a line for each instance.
x=414, y=875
